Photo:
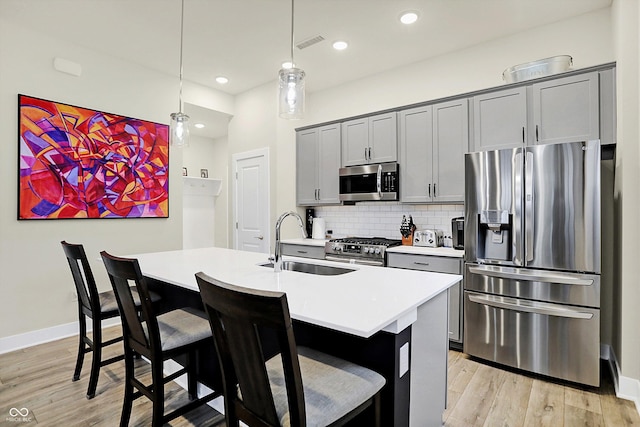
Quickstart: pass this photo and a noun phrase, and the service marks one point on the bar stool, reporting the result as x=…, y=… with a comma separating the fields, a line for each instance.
x=97, y=307
x=296, y=387
x=158, y=338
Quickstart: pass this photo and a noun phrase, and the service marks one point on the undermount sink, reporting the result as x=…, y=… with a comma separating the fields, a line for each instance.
x=303, y=267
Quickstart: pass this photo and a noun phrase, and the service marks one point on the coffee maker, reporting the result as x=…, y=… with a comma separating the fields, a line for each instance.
x=309, y=214
x=457, y=232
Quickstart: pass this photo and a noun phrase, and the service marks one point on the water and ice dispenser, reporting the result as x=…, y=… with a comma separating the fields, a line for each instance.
x=494, y=235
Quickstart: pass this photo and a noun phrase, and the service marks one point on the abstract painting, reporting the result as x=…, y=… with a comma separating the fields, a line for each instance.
x=80, y=163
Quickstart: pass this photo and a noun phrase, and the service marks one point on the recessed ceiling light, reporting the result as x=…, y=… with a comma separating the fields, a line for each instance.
x=222, y=80
x=340, y=45
x=199, y=125
x=408, y=17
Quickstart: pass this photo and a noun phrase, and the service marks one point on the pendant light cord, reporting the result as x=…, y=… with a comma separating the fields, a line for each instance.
x=181, y=44
x=292, y=63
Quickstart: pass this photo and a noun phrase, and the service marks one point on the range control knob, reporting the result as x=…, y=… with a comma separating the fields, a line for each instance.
x=365, y=250
x=377, y=251
x=337, y=247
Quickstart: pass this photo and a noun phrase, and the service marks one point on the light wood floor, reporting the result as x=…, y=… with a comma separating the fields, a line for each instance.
x=39, y=379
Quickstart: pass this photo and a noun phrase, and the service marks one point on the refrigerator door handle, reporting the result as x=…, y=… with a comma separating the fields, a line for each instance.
x=529, y=306
x=529, y=275
x=528, y=206
x=517, y=222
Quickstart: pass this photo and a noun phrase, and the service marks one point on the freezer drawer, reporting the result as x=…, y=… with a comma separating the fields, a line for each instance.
x=560, y=341
x=542, y=285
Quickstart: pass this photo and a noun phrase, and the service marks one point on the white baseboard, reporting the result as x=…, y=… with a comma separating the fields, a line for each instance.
x=41, y=336
x=626, y=388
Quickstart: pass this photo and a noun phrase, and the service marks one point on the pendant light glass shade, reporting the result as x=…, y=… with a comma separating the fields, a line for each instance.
x=179, y=130
x=291, y=93
x=291, y=86
x=179, y=126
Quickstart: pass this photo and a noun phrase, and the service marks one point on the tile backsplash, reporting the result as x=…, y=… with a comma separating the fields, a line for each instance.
x=382, y=219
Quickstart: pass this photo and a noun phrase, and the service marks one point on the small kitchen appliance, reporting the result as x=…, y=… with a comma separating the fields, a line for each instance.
x=428, y=238
x=319, y=230
x=309, y=214
x=457, y=232
x=369, y=182
x=359, y=250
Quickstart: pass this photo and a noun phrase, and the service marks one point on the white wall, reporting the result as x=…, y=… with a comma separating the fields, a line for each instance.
x=35, y=282
x=213, y=155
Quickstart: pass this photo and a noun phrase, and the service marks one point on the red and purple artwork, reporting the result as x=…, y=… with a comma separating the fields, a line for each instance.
x=81, y=163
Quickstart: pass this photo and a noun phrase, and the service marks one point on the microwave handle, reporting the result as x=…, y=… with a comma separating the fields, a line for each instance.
x=379, y=181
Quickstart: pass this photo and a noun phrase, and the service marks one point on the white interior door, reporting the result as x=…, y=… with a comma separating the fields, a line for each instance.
x=251, y=195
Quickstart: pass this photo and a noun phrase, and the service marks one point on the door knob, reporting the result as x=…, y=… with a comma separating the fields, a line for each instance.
x=258, y=237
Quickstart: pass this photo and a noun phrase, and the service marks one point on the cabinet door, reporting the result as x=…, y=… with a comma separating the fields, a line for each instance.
x=383, y=138
x=500, y=119
x=328, y=164
x=450, y=143
x=566, y=109
x=608, y=106
x=416, y=141
x=355, y=142
x=306, y=169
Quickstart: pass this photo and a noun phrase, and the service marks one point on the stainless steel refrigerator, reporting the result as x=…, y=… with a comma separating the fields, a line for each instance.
x=532, y=259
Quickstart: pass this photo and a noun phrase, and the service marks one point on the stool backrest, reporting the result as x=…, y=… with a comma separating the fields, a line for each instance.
x=238, y=317
x=82, y=277
x=140, y=329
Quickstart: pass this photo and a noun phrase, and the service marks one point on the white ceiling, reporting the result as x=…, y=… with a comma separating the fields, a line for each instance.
x=247, y=40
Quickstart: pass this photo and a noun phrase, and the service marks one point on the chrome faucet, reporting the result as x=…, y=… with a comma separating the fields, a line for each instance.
x=277, y=256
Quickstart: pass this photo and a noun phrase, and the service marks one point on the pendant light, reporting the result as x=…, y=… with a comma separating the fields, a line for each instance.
x=291, y=86
x=179, y=127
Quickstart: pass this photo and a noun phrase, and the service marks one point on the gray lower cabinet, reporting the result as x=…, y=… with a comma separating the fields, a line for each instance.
x=433, y=141
x=317, y=165
x=304, y=251
x=564, y=109
x=437, y=264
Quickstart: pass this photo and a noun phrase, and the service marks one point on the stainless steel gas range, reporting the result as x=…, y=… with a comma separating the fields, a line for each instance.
x=359, y=250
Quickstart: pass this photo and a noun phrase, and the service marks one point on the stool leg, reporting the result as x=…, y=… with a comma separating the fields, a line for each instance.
x=128, y=387
x=82, y=334
x=192, y=385
x=97, y=357
x=157, y=392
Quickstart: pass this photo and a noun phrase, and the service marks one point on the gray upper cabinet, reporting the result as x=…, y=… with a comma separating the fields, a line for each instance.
x=560, y=110
x=450, y=144
x=433, y=141
x=317, y=163
x=370, y=140
x=566, y=109
x=500, y=119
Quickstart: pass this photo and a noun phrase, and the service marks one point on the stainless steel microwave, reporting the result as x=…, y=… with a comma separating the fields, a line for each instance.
x=369, y=182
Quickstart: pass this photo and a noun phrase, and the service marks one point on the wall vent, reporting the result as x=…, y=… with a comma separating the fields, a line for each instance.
x=309, y=42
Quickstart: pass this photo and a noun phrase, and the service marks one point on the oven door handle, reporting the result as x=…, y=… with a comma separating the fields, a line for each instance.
x=355, y=261
x=529, y=276
x=529, y=306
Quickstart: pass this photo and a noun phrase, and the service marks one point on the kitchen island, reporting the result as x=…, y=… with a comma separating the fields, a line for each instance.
x=393, y=321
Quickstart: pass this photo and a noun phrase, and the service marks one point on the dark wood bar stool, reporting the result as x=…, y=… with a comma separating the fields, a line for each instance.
x=296, y=387
x=97, y=306
x=158, y=338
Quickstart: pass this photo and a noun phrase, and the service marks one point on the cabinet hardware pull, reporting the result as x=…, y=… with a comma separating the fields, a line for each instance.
x=369, y=153
x=429, y=190
x=434, y=190
x=420, y=263
x=302, y=252
x=537, y=138
x=365, y=154
x=523, y=134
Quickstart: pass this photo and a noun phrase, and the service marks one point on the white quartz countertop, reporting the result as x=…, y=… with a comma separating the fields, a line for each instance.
x=421, y=250
x=362, y=302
